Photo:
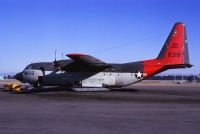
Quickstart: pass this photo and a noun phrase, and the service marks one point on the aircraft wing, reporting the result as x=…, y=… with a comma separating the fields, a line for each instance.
x=85, y=63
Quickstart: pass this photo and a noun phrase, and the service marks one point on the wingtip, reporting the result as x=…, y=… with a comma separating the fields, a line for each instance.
x=75, y=55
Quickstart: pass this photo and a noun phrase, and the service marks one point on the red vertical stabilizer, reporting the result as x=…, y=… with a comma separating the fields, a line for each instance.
x=174, y=53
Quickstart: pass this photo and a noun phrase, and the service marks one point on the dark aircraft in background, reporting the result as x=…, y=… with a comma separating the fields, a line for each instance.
x=85, y=71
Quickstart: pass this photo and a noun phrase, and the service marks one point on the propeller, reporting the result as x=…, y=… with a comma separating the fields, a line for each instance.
x=57, y=65
x=55, y=62
x=55, y=55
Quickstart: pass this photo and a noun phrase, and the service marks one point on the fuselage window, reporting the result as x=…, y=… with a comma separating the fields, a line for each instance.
x=25, y=72
x=28, y=72
x=32, y=72
x=28, y=67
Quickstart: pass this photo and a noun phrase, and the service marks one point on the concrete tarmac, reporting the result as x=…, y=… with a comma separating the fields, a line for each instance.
x=138, y=109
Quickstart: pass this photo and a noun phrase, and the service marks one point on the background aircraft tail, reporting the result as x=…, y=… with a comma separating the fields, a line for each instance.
x=174, y=53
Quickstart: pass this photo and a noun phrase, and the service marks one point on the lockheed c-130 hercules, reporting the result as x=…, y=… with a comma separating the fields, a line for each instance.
x=84, y=71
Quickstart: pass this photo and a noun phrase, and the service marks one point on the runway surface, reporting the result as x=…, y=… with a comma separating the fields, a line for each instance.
x=139, y=109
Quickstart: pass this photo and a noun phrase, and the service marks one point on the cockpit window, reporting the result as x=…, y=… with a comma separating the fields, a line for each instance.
x=28, y=67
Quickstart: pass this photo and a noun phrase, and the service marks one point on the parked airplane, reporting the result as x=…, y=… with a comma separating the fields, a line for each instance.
x=85, y=71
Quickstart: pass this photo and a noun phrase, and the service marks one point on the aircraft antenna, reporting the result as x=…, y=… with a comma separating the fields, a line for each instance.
x=55, y=54
x=55, y=63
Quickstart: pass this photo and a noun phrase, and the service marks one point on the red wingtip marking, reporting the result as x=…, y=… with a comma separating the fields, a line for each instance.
x=75, y=55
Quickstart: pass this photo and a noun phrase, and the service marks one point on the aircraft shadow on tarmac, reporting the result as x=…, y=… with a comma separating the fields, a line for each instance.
x=62, y=89
x=125, y=90
x=40, y=90
x=124, y=94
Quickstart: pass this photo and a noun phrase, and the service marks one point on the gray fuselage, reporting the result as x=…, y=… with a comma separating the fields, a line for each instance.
x=118, y=75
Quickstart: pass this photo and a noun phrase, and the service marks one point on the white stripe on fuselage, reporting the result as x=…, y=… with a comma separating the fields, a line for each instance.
x=69, y=78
